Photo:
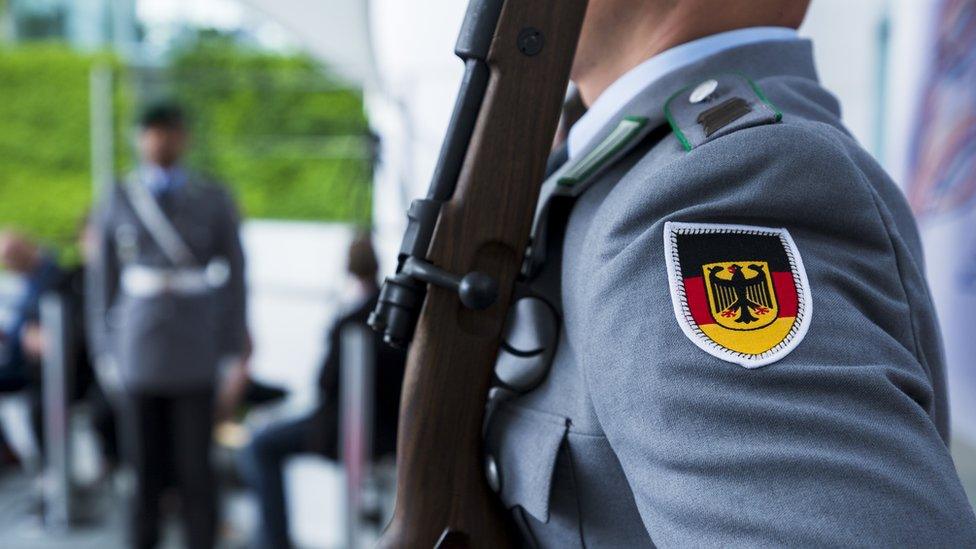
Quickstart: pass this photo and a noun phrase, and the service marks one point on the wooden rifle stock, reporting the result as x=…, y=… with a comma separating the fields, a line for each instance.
x=484, y=214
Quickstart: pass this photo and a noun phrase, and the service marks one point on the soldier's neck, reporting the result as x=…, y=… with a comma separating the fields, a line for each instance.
x=594, y=80
x=610, y=50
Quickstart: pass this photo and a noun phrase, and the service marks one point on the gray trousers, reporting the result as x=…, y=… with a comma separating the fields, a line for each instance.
x=167, y=443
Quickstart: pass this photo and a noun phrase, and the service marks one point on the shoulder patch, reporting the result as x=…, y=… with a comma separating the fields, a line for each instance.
x=740, y=293
x=718, y=106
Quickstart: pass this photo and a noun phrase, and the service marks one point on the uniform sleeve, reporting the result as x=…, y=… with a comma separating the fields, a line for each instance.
x=233, y=295
x=101, y=281
x=832, y=445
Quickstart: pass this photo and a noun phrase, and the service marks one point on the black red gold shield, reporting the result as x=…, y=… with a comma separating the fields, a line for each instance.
x=739, y=292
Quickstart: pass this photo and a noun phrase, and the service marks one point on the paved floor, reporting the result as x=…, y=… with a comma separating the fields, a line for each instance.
x=22, y=527
x=314, y=502
x=99, y=522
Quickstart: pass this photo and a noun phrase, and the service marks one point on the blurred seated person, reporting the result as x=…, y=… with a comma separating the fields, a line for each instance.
x=27, y=343
x=22, y=257
x=318, y=433
x=84, y=384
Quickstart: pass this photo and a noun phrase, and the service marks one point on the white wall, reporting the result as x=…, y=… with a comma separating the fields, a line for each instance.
x=911, y=31
x=846, y=41
x=411, y=106
x=336, y=31
x=295, y=276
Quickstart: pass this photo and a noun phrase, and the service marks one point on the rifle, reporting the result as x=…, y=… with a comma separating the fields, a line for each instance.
x=463, y=249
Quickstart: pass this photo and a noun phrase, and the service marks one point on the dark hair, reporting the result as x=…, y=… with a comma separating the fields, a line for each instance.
x=162, y=115
x=362, y=258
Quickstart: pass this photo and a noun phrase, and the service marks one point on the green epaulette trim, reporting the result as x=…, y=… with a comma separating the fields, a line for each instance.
x=628, y=128
x=685, y=117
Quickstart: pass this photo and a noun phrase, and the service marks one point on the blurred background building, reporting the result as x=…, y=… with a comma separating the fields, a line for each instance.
x=325, y=117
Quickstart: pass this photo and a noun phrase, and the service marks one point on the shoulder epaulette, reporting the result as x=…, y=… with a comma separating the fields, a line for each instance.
x=718, y=106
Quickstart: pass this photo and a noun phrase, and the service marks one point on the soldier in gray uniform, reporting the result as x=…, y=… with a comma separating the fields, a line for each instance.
x=726, y=337
x=166, y=303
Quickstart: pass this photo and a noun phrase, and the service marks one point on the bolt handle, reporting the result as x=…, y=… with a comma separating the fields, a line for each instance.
x=477, y=290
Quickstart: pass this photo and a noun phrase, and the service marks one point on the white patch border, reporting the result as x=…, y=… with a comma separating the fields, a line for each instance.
x=683, y=314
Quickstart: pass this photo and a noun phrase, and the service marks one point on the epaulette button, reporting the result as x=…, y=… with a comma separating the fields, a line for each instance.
x=703, y=91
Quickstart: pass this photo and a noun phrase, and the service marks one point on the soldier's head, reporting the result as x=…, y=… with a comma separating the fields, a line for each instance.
x=17, y=253
x=618, y=35
x=163, y=134
x=362, y=262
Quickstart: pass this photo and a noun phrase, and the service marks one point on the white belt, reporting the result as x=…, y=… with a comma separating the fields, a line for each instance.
x=143, y=281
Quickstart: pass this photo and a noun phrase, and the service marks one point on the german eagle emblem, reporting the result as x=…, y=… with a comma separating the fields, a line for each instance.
x=739, y=292
x=741, y=297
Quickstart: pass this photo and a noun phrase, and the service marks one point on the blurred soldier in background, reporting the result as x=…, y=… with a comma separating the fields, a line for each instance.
x=263, y=460
x=166, y=302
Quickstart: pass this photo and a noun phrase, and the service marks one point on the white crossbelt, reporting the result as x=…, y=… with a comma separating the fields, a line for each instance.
x=155, y=221
x=145, y=282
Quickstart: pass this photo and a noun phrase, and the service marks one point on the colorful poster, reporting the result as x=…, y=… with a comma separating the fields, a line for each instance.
x=941, y=187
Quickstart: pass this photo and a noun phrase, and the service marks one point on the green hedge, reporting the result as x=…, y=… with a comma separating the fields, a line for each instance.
x=45, y=177
x=289, y=138
x=286, y=136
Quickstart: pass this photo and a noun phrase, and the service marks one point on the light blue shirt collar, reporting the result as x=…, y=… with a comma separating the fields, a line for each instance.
x=628, y=86
x=161, y=180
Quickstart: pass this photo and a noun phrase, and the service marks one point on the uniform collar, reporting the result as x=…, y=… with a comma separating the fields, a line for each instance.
x=757, y=61
x=160, y=180
x=605, y=109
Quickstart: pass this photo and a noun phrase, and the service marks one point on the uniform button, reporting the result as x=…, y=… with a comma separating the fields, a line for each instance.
x=703, y=91
x=492, y=475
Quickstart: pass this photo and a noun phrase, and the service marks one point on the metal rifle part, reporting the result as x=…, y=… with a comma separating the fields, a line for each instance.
x=403, y=294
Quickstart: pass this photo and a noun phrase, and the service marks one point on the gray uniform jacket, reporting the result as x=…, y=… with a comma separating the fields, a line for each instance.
x=166, y=342
x=659, y=425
